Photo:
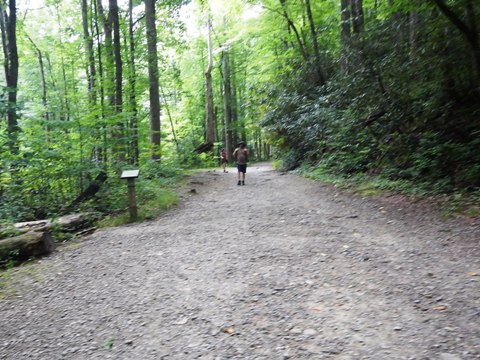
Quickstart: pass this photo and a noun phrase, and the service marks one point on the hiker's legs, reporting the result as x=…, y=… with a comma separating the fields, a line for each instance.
x=242, y=168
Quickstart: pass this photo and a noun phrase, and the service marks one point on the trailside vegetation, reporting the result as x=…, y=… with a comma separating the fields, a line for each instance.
x=386, y=88
x=350, y=87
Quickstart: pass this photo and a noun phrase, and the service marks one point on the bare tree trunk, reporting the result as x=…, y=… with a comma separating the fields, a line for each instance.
x=169, y=114
x=210, y=117
x=109, y=58
x=91, y=71
x=318, y=64
x=132, y=82
x=357, y=16
x=227, y=103
x=345, y=34
x=8, y=22
x=153, y=78
x=103, y=153
x=118, y=97
x=41, y=66
x=291, y=25
x=65, y=101
x=115, y=24
x=236, y=121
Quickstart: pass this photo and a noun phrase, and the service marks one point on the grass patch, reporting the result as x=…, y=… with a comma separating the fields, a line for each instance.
x=7, y=291
x=150, y=204
x=154, y=194
x=9, y=284
x=277, y=164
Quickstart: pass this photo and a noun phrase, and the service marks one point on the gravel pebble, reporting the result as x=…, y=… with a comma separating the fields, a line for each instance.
x=281, y=268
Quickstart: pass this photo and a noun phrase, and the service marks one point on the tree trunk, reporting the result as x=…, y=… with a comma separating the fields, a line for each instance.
x=135, y=152
x=90, y=191
x=102, y=151
x=118, y=98
x=292, y=26
x=8, y=22
x=65, y=112
x=170, y=118
x=357, y=16
x=91, y=71
x=115, y=24
x=153, y=78
x=109, y=78
x=227, y=103
x=210, y=116
x=345, y=34
x=313, y=31
x=43, y=82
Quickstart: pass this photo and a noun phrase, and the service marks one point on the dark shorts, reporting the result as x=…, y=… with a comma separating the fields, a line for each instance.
x=242, y=168
x=224, y=161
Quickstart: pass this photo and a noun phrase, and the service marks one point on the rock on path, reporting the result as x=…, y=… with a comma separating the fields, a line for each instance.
x=282, y=268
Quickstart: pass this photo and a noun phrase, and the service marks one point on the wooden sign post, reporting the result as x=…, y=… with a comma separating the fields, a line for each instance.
x=131, y=175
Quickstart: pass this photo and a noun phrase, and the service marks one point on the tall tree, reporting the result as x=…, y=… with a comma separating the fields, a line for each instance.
x=88, y=40
x=114, y=21
x=313, y=31
x=8, y=23
x=209, y=114
x=345, y=33
x=227, y=102
x=151, y=32
x=357, y=15
x=108, y=62
x=117, y=54
x=291, y=26
x=41, y=66
x=132, y=80
x=97, y=20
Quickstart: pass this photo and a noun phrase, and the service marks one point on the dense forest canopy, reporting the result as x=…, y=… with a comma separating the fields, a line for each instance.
x=90, y=87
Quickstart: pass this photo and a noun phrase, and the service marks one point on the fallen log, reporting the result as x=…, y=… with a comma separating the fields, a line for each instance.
x=204, y=148
x=39, y=225
x=67, y=223
x=89, y=192
x=25, y=246
x=74, y=222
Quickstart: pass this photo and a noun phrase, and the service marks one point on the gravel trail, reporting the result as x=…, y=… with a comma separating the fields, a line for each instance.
x=281, y=268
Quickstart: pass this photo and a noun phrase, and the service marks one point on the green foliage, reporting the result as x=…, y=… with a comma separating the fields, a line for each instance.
x=109, y=344
x=400, y=100
x=7, y=230
x=152, y=199
x=154, y=190
x=10, y=262
x=372, y=118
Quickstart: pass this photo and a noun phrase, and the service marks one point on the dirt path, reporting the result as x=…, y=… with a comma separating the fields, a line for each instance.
x=282, y=268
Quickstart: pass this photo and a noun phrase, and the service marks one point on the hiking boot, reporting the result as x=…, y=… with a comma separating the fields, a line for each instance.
x=239, y=182
x=243, y=182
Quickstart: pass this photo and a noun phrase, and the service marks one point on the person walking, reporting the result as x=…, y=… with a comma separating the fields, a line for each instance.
x=223, y=160
x=240, y=155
